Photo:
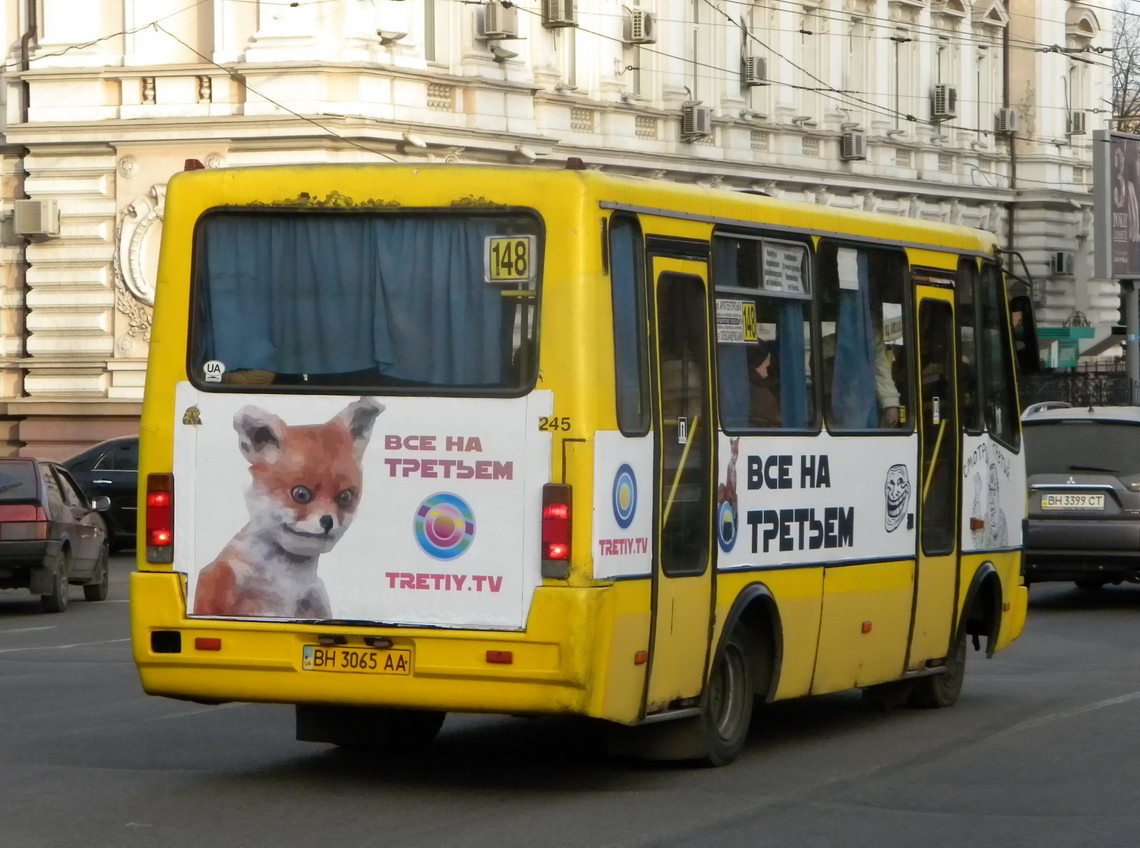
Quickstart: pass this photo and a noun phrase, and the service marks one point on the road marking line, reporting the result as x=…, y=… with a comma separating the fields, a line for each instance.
x=62, y=647
x=197, y=711
x=1076, y=711
x=28, y=629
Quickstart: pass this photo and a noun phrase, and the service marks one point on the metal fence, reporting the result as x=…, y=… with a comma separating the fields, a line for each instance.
x=1080, y=388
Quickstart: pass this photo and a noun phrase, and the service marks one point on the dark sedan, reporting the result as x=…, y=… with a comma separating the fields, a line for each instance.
x=111, y=468
x=51, y=535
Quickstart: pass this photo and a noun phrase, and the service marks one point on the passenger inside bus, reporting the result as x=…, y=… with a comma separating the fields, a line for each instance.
x=764, y=384
x=863, y=352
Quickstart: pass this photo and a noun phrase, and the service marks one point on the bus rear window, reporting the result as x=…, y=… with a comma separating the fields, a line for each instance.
x=435, y=303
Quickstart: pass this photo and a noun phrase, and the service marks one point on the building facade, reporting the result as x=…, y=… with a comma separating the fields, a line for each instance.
x=973, y=113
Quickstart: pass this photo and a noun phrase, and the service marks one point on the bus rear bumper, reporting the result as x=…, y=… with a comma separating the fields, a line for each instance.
x=214, y=661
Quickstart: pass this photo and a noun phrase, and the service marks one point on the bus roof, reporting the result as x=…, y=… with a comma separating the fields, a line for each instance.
x=272, y=185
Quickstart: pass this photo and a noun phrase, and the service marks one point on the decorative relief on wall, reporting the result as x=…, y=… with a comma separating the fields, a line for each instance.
x=136, y=261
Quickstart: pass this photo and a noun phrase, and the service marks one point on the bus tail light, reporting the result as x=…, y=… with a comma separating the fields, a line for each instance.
x=160, y=518
x=557, y=512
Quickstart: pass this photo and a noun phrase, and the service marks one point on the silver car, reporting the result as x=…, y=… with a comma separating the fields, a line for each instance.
x=1083, y=466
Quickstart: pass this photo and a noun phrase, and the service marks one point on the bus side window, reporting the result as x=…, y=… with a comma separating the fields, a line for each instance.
x=627, y=274
x=866, y=380
x=764, y=334
x=969, y=390
x=999, y=401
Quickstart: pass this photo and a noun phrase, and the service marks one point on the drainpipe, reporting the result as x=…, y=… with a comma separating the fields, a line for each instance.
x=1011, y=206
x=25, y=56
x=31, y=33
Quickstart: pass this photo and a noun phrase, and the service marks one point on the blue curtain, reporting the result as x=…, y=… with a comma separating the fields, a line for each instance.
x=329, y=294
x=795, y=391
x=629, y=325
x=733, y=387
x=854, y=405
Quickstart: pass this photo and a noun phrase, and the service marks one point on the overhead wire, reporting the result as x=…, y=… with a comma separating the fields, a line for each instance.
x=846, y=98
x=234, y=75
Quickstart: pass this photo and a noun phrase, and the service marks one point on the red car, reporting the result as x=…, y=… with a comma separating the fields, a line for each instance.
x=51, y=535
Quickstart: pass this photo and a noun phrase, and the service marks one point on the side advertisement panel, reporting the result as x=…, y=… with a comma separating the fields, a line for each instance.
x=993, y=495
x=623, y=505
x=800, y=500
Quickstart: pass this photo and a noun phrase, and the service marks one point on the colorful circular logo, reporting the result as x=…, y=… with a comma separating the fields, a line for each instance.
x=625, y=496
x=726, y=526
x=444, y=526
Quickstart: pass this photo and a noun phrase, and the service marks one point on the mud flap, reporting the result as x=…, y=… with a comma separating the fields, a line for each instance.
x=41, y=580
x=679, y=739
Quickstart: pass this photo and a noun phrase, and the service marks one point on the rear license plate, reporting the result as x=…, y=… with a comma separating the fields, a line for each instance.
x=1072, y=501
x=358, y=660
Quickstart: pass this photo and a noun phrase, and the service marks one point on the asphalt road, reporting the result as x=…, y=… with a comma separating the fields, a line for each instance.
x=1040, y=751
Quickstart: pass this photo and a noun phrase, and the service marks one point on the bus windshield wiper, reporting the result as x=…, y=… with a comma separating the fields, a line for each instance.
x=1093, y=468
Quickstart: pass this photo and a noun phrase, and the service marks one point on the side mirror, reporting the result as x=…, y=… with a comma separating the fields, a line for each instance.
x=1023, y=327
x=101, y=503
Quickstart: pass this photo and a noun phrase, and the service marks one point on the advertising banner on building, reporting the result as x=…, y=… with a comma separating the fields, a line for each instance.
x=1116, y=164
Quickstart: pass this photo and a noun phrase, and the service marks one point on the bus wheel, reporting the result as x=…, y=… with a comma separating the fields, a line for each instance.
x=942, y=690
x=1090, y=584
x=726, y=708
x=368, y=727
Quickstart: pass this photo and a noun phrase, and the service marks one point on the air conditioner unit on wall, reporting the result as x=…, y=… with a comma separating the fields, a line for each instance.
x=853, y=145
x=696, y=122
x=1062, y=263
x=37, y=218
x=1008, y=120
x=945, y=101
x=754, y=70
x=500, y=21
x=559, y=13
x=1077, y=123
x=640, y=27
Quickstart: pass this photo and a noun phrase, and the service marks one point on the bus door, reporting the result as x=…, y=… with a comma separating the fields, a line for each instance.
x=682, y=572
x=937, y=574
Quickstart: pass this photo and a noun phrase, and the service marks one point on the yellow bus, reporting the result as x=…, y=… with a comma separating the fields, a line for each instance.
x=430, y=439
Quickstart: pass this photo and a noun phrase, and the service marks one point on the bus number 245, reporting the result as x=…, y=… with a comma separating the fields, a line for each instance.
x=557, y=422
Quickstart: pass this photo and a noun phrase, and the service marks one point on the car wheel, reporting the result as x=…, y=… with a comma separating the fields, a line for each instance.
x=100, y=583
x=56, y=600
x=942, y=690
x=1090, y=584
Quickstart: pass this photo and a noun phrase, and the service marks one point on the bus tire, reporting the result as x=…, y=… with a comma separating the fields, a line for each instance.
x=726, y=706
x=368, y=727
x=942, y=690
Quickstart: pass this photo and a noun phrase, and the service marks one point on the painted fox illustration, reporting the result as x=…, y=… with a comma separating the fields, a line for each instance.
x=306, y=485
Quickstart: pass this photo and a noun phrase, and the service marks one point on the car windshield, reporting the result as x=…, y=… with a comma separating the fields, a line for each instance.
x=1060, y=447
x=17, y=481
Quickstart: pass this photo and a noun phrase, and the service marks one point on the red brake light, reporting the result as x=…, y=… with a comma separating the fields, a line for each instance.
x=557, y=514
x=160, y=518
x=559, y=511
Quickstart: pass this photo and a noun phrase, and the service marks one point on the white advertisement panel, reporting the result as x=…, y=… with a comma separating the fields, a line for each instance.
x=797, y=500
x=993, y=495
x=398, y=510
x=623, y=505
